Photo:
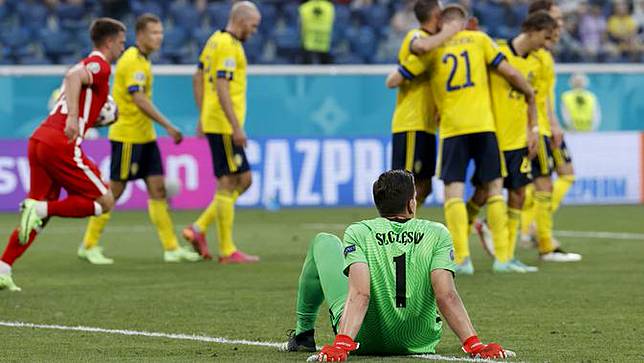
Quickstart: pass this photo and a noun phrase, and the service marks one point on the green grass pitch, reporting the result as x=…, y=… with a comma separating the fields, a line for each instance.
x=587, y=311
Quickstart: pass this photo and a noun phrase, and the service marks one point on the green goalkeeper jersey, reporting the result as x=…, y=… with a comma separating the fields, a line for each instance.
x=402, y=317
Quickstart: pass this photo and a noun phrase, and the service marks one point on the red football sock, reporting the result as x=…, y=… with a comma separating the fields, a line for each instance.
x=74, y=206
x=14, y=249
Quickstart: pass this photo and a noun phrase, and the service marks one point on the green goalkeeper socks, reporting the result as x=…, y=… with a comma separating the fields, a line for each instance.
x=321, y=279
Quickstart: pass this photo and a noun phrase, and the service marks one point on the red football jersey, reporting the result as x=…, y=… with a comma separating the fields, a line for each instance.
x=92, y=99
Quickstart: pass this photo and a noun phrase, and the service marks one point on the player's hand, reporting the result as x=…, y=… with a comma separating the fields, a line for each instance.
x=175, y=134
x=72, y=130
x=476, y=349
x=533, y=142
x=339, y=350
x=239, y=137
x=557, y=136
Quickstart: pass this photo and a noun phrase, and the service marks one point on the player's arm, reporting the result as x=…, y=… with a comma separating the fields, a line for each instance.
x=452, y=308
x=450, y=304
x=407, y=71
x=355, y=309
x=145, y=104
x=197, y=92
x=75, y=78
x=357, y=302
x=223, y=94
x=514, y=77
x=422, y=45
x=394, y=79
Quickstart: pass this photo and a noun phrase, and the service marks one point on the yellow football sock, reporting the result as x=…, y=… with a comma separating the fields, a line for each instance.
x=527, y=213
x=456, y=217
x=158, y=211
x=560, y=189
x=95, y=230
x=472, y=213
x=543, y=213
x=225, y=218
x=207, y=216
x=497, y=219
x=514, y=219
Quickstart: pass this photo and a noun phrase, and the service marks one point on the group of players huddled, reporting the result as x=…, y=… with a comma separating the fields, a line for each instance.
x=388, y=279
x=491, y=102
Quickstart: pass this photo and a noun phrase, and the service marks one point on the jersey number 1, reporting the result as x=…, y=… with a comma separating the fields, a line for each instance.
x=401, y=281
x=468, y=83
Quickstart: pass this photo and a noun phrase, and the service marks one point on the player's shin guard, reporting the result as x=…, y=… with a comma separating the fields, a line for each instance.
x=472, y=212
x=560, y=189
x=543, y=211
x=225, y=202
x=321, y=279
x=497, y=219
x=514, y=219
x=456, y=217
x=158, y=211
x=14, y=249
x=528, y=211
x=94, y=230
x=74, y=206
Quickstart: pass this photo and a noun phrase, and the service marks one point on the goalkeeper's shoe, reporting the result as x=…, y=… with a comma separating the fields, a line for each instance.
x=303, y=342
x=503, y=267
x=485, y=236
x=29, y=220
x=94, y=255
x=198, y=241
x=6, y=282
x=238, y=257
x=181, y=254
x=527, y=268
x=465, y=267
x=558, y=255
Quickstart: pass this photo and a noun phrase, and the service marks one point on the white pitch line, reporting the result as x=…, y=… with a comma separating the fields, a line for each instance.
x=198, y=338
x=601, y=234
x=341, y=226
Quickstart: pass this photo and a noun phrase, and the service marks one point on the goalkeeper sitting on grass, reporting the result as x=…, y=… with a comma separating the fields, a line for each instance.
x=399, y=270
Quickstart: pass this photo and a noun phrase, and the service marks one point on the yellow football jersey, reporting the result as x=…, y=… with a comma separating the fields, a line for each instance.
x=459, y=82
x=509, y=105
x=222, y=57
x=133, y=74
x=544, y=87
x=415, y=109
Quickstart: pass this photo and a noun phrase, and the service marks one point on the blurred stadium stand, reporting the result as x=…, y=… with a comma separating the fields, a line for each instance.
x=365, y=31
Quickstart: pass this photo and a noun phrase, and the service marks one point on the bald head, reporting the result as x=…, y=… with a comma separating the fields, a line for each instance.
x=243, y=10
x=244, y=19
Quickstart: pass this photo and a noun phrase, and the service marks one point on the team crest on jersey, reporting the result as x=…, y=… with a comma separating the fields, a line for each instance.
x=93, y=67
x=230, y=63
x=349, y=249
x=139, y=76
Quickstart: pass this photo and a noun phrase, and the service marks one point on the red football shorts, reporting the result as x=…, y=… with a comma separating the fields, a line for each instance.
x=53, y=168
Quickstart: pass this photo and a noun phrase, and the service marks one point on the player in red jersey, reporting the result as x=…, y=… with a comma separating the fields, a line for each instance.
x=56, y=159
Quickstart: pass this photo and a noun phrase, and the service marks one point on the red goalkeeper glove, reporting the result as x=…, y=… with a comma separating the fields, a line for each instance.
x=476, y=349
x=339, y=351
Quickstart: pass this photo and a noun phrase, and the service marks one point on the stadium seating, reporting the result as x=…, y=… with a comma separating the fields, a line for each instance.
x=28, y=28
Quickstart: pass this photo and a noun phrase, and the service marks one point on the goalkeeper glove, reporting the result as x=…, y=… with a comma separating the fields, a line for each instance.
x=476, y=349
x=339, y=351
